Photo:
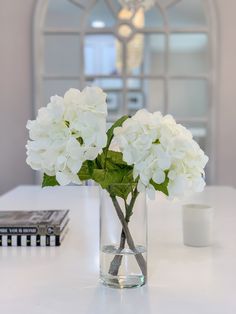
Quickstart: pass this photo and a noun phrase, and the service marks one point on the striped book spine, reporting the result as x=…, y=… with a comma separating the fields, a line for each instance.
x=30, y=240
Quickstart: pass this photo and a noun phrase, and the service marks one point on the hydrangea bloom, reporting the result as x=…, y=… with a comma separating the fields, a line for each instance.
x=158, y=147
x=67, y=132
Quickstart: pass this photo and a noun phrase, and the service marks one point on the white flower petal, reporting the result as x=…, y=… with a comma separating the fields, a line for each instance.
x=140, y=187
x=63, y=178
x=74, y=165
x=151, y=192
x=159, y=176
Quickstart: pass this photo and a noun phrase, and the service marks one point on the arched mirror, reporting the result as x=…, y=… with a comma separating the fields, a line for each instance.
x=160, y=59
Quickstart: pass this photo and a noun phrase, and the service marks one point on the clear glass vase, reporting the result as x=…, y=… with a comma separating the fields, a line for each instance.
x=123, y=238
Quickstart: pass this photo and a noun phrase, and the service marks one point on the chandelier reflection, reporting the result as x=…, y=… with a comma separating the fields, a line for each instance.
x=131, y=48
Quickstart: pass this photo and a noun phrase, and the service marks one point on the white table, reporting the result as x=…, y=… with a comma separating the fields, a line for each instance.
x=182, y=280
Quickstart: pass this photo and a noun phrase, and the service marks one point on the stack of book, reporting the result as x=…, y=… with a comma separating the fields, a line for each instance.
x=33, y=228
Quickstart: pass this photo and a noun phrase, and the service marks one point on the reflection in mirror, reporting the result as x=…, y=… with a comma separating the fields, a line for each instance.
x=135, y=96
x=166, y=3
x=153, y=18
x=116, y=6
x=134, y=46
x=188, y=53
x=154, y=54
x=135, y=101
x=106, y=84
x=101, y=15
x=61, y=55
x=134, y=54
x=99, y=54
x=142, y=64
x=188, y=98
x=154, y=95
x=145, y=93
x=63, y=14
x=124, y=30
x=133, y=83
x=187, y=13
x=57, y=87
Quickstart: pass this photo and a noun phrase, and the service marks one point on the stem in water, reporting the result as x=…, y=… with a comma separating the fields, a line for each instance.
x=117, y=260
x=139, y=257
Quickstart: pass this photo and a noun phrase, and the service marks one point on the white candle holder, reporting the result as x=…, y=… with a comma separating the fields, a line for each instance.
x=197, y=224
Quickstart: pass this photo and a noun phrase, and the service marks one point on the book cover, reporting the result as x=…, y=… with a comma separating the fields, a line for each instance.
x=45, y=222
x=32, y=240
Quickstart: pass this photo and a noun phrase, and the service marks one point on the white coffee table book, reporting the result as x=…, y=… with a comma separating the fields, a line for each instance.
x=59, y=280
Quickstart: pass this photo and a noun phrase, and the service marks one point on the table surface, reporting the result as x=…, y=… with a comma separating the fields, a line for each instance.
x=182, y=280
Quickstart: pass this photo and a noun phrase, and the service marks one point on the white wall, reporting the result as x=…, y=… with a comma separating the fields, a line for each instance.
x=226, y=118
x=16, y=92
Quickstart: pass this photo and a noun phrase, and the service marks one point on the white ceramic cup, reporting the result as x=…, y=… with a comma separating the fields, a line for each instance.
x=197, y=224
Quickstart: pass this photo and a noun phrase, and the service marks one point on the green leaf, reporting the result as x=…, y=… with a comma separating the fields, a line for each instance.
x=128, y=178
x=85, y=172
x=163, y=187
x=49, y=180
x=128, y=184
x=120, y=190
x=110, y=134
x=118, y=182
x=116, y=158
x=112, y=160
x=114, y=174
x=107, y=177
x=90, y=164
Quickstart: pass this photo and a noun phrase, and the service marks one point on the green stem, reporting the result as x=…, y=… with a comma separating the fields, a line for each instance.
x=126, y=235
x=116, y=261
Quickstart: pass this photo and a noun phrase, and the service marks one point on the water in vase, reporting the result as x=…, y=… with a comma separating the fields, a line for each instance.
x=119, y=268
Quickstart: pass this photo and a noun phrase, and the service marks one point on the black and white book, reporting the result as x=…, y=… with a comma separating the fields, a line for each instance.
x=35, y=223
x=33, y=240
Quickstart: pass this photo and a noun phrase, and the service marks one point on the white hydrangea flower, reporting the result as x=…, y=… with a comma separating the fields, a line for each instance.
x=67, y=132
x=157, y=146
x=91, y=99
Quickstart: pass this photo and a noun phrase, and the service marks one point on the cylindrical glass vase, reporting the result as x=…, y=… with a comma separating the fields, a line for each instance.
x=123, y=237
